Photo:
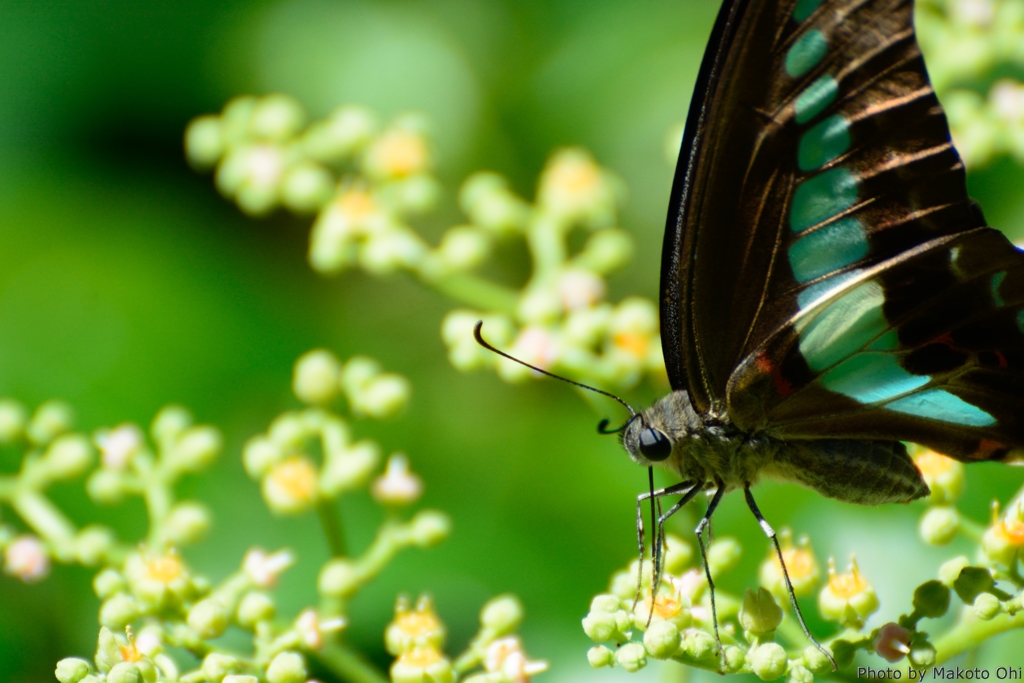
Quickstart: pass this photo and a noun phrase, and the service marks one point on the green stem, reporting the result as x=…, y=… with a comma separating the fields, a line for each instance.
x=970, y=632
x=972, y=529
x=46, y=520
x=477, y=292
x=333, y=529
x=348, y=665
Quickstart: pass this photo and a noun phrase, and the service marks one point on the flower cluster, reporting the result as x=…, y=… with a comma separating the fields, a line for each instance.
x=965, y=41
x=366, y=182
x=416, y=639
x=181, y=613
x=757, y=632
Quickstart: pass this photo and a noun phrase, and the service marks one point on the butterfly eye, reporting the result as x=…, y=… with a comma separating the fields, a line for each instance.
x=654, y=445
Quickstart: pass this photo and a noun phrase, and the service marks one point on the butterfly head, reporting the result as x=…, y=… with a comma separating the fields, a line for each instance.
x=653, y=436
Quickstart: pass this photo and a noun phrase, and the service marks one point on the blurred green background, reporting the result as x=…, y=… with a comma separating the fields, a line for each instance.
x=126, y=283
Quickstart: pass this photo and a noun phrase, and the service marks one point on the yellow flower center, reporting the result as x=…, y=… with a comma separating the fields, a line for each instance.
x=164, y=568
x=575, y=176
x=401, y=153
x=297, y=477
x=632, y=342
x=799, y=562
x=667, y=606
x=1012, y=529
x=418, y=623
x=846, y=586
x=356, y=204
x=421, y=657
x=933, y=464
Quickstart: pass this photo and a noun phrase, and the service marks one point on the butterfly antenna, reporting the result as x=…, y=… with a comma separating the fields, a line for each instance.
x=477, y=334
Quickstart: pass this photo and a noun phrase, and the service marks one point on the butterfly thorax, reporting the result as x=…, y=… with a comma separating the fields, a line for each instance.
x=709, y=449
x=706, y=448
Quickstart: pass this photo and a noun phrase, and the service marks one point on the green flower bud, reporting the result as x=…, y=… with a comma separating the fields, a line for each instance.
x=502, y=614
x=13, y=418
x=239, y=678
x=387, y=251
x=125, y=672
x=107, y=487
x=342, y=134
x=255, y=607
x=678, y=554
x=209, y=618
x=287, y=667
x=974, y=581
x=169, y=424
x=235, y=118
x=357, y=373
x=723, y=555
x=316, y=377
x=349, y=469
x=816, y=661
x=340, y=578
x=602, y=627
x=759, y=614
x=987, y=606
x=196, y=449
x=422, y=666
x=950, y=570
x=464, y=247
x=259, y=455
x=662, y=639
x=698, y=644
x=93, y=544
x=631, y=657
x=277, y=117
x=843, y=652
x=118, y=611
x=216, y=666
x=939, y=525
x=108, y=583
x=733, y=659
x=108, y=650
x=606, y=251
x=51, y=419
x=416, y=194
x=623, y=585
x=931, y=599
x=922, y=654
x=487, y=200
x=799, y=674
x=204, y=142
x=430, y=527
x=382, y=397
x=257, y=200
x=768, y=661
x=72, y=670
x=539, y=306
x=68, y=456
x=599, y=656
x=187, y=523
x=307, y=187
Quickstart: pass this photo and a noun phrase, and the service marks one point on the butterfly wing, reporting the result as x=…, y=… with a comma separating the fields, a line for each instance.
x=817, y=181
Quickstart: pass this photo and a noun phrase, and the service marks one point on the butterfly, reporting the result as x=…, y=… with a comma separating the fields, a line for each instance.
x=828, y=288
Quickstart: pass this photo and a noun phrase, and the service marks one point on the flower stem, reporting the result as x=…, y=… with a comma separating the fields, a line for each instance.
x=477, y=292
x=970, y=632
x=349, y=666
x=333, y=528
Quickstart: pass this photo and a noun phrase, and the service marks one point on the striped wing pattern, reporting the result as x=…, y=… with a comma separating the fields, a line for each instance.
x=825, y=273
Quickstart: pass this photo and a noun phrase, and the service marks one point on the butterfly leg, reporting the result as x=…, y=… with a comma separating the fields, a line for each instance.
x=689, y=491
x=770, y=533
x=704, y=522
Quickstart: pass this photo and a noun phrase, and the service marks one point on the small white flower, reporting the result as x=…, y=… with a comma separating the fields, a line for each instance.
x=264, y=166
x=312, y=630
x=506, y=656
x=398, y=485
x=118, y=445
x=580, y=289
x=1007, y=97
x=27, y=559
x=263, y=569
x=974, y=12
